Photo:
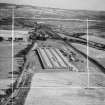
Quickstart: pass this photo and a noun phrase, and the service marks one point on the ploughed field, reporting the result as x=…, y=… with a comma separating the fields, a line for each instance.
x=65, y=96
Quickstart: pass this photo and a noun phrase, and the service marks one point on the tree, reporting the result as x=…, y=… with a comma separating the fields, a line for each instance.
x=1, y=39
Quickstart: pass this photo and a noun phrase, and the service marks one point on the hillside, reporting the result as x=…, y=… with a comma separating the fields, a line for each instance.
x=30, y=11
x=27, y=11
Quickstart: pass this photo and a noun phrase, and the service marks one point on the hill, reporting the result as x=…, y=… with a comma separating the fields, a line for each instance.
x=27, y=11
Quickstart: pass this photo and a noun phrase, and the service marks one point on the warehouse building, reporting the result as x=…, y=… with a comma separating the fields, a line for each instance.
x=52, y=58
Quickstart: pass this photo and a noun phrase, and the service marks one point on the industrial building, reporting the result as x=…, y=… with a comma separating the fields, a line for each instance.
x=52, y=58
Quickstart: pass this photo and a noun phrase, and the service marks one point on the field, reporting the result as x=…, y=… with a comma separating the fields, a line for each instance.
x=65, y=96
x=18, y=46
x=5, y=65
x=94, y=38
x=6, y=61
x=98, y=55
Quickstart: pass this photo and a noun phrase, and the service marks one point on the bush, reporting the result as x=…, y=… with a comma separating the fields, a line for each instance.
x=1, y=38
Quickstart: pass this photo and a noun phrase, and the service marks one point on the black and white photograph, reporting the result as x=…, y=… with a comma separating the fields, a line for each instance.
x=52, y=52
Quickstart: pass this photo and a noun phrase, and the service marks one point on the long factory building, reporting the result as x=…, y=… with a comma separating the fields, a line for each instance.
x=52, y=58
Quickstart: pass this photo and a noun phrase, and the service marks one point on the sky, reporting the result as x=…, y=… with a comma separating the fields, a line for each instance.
x=64, y=4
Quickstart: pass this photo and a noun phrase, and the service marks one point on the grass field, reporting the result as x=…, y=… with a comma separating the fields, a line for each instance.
x=98, y=55
x=95, y=39
x=5, y=60
x=5, y=65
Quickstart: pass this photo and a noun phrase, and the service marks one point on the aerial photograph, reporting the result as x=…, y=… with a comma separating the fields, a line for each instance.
x=52, y=52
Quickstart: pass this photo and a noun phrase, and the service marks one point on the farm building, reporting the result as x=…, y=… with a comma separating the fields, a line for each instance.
x=52, y=58
x=17, y=35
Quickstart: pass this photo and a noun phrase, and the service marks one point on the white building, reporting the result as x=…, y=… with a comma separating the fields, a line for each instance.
x=17, y=35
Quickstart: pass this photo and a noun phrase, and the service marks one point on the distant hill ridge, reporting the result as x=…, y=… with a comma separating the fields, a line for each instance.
x=28, y=11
